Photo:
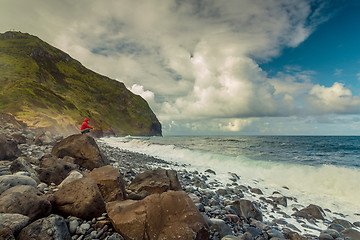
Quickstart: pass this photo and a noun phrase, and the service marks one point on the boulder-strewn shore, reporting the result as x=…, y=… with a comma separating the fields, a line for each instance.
x=80, y=188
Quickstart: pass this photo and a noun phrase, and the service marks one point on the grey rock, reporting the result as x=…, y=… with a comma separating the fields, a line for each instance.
x=231, y=237
x=332, y=232
x=6, y=234
x=352, y=233
x=325, y=236
x=73, y=226
x=253, y=231
x=220, y=226
x=247, y=209
x=275, y=233
x=13, y=221
x=82, y=229
x=336, y=227
x=256, y=191
x=345, y=223
x=26, y=200
x=9, y=181
x=52, y=227
x=73, y=175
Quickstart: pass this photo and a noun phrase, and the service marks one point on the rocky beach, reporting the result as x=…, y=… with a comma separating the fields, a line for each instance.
x=78, y=187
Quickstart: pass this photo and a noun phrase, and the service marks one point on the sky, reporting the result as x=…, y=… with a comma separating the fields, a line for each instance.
x=216, y=67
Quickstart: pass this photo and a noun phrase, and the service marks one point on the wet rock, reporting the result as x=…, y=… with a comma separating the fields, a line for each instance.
x=52, y=227
x=315, y=211
x=83, y=148
x=247, y=209
x=14, y=221
x=254, y=232
x=210, y=171
x=345, y=223
x=81, y=198
x=25, y=200
x=294, y=236
x=336, y=227
x=110, y=183
x=9, y=181
x=171, y=214
x=155, y=181
x=352, y=233
x=333, y=233
x=256, y=191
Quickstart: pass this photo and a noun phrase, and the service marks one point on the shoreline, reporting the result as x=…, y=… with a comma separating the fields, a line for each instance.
x=206, y=184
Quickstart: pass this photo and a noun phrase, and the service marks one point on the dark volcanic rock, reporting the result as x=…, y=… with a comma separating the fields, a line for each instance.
x=170, y=215
x=81, y=198
x=25, y=200
x=110, y=183
x=8, y=148
x=156, y=181
x=247, y=209
x=83, y=148
x=52, y=227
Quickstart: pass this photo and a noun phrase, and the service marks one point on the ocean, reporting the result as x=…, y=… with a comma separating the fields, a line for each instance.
x=321, y=170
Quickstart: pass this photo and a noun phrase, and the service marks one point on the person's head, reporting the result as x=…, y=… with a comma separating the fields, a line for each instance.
x=86, y=120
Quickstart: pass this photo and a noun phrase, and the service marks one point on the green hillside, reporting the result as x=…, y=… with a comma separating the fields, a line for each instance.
x=46, y=88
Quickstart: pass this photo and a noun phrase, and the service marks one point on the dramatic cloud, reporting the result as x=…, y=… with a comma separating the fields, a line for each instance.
x=194, y=61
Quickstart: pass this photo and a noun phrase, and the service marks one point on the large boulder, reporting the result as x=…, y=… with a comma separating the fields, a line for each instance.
x=81, y=198
x=53, y=227
x=170, y=215
x=83, y=148
x=247, y=209
x=110, y=183
x=25, y=200
x=13, y=221
x=9, y=181
x=55, y=170
x=155, y=181
x=8, y=148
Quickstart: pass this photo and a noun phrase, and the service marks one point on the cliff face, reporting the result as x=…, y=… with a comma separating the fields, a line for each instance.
x=45, y=88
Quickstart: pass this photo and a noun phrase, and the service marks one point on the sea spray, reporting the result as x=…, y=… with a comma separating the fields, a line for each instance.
x=332, y=186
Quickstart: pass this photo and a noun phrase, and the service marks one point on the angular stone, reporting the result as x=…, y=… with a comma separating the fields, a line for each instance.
x=52, y=227
x=55, y=170
x=83, y=148
x=155, y=181
x=73, y=175
x=81, y=198
x=220, y=226
x=9, y=181
x=13, y=221
x=314, y=211
x=170, y=215
x=352, y=233
x=6, y=234
x=25, y=200
x=8, y=148
x=110, y=182
x=247, y=209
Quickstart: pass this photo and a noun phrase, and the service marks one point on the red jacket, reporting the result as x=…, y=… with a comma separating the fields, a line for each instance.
x=85, y=124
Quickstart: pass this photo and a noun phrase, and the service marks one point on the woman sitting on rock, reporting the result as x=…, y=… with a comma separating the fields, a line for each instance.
x=85, y=128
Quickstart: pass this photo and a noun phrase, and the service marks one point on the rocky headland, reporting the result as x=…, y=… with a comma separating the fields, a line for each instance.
x=80, y=188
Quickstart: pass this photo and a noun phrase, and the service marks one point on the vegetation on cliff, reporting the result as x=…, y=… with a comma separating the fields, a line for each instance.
x=44, y=87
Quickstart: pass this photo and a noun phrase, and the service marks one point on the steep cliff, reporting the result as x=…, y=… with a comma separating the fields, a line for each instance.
x=45, y=88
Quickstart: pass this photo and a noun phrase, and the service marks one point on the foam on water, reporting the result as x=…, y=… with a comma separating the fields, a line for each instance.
x=332, y=187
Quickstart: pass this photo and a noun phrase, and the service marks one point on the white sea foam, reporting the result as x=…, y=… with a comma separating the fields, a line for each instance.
x=331, y=187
